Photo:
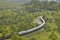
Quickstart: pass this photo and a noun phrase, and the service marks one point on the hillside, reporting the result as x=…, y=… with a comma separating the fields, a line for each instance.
x=18, y=16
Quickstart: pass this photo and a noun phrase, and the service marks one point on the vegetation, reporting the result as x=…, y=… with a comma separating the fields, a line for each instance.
x=16, y=17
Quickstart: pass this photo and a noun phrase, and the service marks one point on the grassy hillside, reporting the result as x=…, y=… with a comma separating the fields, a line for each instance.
x=15, y=17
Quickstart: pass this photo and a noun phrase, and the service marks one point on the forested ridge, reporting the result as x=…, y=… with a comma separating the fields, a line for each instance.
x=18, y=16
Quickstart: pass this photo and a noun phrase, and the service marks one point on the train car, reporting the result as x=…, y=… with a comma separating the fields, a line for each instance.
x=35, y=28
